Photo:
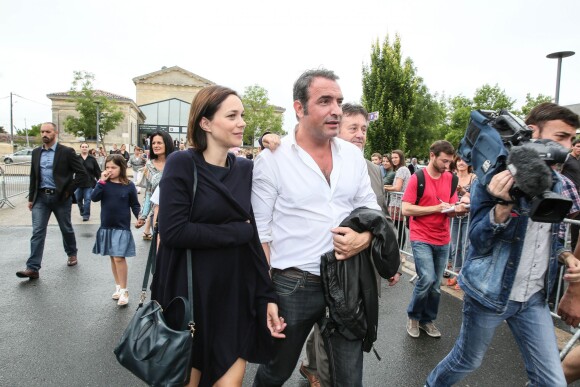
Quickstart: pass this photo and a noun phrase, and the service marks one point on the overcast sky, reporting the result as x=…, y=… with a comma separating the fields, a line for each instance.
x=456, y=45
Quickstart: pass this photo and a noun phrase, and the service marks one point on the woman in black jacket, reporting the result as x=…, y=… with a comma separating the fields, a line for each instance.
x=234, y=299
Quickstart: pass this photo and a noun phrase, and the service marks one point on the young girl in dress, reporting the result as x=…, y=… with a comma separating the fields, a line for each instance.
x=118, y=196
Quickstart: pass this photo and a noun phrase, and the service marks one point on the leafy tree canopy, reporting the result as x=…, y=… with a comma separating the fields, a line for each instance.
x=389, y=87
x=260, y=116
x=86, y=101
x=532, y=102
x=33, y=131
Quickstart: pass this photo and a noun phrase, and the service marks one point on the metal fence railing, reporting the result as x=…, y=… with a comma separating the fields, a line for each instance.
x=458, y=249
x=14, y=181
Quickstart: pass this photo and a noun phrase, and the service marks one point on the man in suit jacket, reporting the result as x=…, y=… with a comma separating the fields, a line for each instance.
x=54, y=174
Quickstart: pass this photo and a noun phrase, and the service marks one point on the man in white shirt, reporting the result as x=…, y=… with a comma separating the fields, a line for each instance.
x=300, y=194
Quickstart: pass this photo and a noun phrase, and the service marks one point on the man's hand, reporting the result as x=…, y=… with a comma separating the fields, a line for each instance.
x=394, y=279
x=573, y=268
x=271, y=141
x=348, y=242
x=442, y=206
x=30, y=206
x=569, y=307
x=500, y=185
x=139, y=223
x=275, y=323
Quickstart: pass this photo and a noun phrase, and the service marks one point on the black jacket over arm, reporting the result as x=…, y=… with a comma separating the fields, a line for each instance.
x=350, y=286
x=67, y=172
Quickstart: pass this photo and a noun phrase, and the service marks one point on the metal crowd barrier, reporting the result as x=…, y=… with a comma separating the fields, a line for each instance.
x=458, y=249
x=14, y=181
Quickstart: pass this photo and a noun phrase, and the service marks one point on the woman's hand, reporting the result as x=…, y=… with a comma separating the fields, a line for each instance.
x=104, y=176
x=275, y=323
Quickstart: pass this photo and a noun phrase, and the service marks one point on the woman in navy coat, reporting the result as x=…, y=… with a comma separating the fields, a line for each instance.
x=234, y=302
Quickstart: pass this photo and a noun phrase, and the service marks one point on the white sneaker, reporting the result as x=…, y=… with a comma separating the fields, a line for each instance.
x=123, y=298
x=117, y=293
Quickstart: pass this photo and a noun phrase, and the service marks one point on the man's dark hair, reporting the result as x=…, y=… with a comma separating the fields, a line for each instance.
x=576, y=141
x=549, y=111
x=353, y=109
x=167, y=140
x=441, y=146
x=304, y=81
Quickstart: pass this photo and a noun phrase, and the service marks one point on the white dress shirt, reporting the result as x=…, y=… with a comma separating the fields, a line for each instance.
x=296, y=208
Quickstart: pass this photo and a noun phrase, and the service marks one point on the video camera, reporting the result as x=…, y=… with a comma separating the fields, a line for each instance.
x=495, y=141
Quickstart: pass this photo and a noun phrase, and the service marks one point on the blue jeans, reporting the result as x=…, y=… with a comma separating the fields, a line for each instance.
x=532, y=327
x=459, y=242
x=430, y=261
x=301, y=303
x=43, y=207
x=83, y=196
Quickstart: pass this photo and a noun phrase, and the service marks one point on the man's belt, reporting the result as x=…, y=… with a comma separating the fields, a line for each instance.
x=293, y=272
x=48, y=191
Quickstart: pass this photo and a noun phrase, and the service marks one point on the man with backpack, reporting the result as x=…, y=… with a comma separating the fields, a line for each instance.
x=427, y=201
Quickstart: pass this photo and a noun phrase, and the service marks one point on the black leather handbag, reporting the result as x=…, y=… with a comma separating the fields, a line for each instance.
x=149, y=348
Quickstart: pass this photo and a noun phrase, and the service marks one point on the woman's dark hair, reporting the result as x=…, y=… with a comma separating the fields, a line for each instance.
x=388, y=157
x=453, y=166
x=119, y=161
x=167, y=140
x=401, y=159
x=205, y=104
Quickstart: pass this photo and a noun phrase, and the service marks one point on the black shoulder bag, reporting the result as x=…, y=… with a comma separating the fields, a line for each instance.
x=149, y=348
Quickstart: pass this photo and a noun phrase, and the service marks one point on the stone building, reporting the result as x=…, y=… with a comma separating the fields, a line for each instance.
x=163, y=100
x=63, y=105
x=165, y=97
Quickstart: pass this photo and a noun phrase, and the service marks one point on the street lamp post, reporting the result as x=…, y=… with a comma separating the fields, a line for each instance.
x=98, y=103
x=559, y=55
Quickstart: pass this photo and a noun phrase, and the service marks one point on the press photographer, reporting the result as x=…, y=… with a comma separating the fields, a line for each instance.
x=512, y=260
x=496, y=141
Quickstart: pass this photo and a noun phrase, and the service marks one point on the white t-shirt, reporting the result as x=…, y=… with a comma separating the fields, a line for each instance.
x=155, y=196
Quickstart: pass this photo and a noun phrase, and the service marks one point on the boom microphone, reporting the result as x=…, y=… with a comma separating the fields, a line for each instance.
x=531, y=174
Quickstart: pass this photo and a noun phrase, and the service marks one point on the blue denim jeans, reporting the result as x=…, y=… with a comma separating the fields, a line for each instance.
x=301, y=303
x=430, y=261
x=83, y=196
x=532, y=327
x=459, y=242
x=43, y=207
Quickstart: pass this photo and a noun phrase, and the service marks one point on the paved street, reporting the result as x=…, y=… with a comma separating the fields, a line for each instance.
x=60, y=330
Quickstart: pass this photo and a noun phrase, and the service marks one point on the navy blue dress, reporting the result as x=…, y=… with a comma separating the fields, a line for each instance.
x=114, y=237
x=231, y=282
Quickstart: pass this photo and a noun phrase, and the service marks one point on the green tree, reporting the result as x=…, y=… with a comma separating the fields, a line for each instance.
x=486, y=98
x=459, y=109
x=427, y=123
x=86, y=105
x=2, y=130
x=260, y=116
x=492, y=98
x=532, y=102
x=389, y=87
x=33, y=131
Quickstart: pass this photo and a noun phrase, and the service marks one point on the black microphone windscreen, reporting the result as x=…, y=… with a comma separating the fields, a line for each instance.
x=531, y=174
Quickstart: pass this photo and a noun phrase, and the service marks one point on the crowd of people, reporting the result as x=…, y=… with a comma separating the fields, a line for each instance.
x=262, y=233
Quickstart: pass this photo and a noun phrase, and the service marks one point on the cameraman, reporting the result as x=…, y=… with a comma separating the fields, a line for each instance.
x=510, y=268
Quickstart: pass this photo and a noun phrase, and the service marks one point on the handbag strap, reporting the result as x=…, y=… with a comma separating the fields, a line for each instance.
x=189, y=259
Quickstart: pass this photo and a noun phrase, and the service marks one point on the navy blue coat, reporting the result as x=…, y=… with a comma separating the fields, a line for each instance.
x=231, y=282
